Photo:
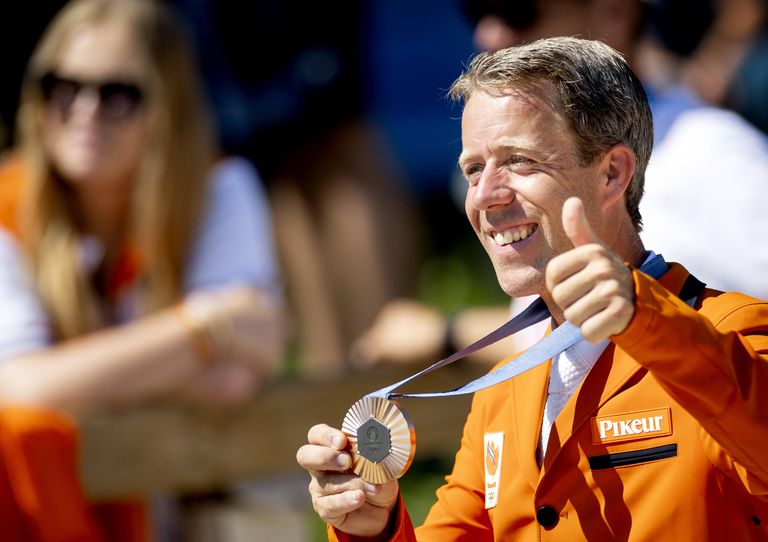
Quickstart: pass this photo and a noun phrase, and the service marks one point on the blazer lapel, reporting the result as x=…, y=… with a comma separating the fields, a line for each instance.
x=530, y=393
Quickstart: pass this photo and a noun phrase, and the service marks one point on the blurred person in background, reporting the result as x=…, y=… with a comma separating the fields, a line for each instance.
x=729, y=65
x=703, y=152
x=136, y=264
x=687, y=213
x=349, y=235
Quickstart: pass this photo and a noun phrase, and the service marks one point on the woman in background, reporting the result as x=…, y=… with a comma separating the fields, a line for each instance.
x=133, y=265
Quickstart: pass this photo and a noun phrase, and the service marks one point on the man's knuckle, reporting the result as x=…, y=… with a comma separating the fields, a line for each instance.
x=612, y=287
x=557, y=292
x=627, y=310
x=595, y=250
x=552, y=272
x=612, y=310
x=588, y=330
x=324, y=507
x=573, y=315
x=605, y=268
x=618, y=312
x=328, y=486
x=334, y=508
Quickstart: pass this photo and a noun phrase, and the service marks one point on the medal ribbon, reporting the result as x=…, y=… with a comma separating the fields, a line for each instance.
x=562, y=337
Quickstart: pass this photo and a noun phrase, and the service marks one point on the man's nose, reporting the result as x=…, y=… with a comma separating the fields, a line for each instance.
x=492, y=190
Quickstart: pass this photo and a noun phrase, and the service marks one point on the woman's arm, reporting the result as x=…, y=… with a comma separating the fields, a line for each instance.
x=153, y=356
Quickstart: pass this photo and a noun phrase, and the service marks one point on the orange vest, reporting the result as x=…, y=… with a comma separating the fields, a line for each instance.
x=666, y=438
x=41, y=498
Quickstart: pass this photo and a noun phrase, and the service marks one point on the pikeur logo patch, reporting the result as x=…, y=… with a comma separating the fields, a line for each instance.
x=631, y=426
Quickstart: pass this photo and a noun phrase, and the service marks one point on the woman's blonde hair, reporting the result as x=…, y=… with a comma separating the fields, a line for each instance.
x=171, y=179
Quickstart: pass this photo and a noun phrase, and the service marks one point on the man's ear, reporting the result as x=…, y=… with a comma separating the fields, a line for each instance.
x=618, y=167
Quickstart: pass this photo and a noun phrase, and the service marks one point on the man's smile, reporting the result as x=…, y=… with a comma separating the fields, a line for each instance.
x=512, y=235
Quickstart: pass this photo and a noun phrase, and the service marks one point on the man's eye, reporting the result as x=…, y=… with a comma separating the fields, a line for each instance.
x=471, y=172
x=517, y=160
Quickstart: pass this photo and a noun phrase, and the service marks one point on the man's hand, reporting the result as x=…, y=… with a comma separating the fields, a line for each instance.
x=590, y=284
x=342, y=499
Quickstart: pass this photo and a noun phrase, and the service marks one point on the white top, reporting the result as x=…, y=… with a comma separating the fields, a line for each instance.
x=569, y=369
x=235, y=241
x=706, y=200
x=234, y=246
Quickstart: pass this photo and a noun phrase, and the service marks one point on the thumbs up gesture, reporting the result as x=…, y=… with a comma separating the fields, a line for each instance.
x=590, y=284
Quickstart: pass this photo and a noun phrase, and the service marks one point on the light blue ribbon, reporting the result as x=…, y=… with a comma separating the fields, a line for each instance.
x=562, y=337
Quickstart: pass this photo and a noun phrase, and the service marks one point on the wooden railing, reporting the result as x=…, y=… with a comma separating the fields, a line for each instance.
x=172, y=447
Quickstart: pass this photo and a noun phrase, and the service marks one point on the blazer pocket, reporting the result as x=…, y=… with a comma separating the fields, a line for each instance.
x=624, y=459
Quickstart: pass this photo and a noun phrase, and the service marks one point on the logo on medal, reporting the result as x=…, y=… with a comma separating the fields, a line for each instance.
x=373, y=440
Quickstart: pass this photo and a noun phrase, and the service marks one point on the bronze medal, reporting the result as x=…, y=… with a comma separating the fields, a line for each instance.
x=381, y=438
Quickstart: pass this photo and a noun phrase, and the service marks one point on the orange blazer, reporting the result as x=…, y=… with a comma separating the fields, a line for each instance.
x=666, y=438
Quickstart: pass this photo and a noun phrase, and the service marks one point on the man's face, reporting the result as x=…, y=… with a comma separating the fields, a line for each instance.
x=521, y=165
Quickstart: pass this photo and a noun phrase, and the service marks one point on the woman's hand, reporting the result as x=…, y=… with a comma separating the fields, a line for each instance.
x=244, y=331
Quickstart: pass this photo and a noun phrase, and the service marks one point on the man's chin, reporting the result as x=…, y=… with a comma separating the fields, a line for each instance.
x=521, y=287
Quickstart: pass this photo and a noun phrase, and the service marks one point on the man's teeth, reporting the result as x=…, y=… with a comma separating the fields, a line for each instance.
x=510, y=236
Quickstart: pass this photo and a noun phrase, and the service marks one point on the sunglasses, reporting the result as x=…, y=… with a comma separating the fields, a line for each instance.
x=117, y=100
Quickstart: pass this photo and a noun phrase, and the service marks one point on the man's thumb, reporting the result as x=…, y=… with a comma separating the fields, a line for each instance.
x=575, y=223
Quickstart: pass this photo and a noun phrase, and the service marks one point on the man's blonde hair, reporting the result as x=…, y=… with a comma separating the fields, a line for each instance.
x=594, y=90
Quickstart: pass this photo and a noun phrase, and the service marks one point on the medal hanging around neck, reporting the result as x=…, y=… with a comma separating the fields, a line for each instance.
x=380, y=434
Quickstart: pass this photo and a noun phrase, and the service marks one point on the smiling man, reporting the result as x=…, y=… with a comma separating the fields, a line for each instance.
x=653, y=427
